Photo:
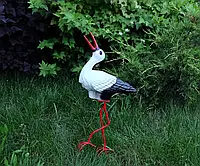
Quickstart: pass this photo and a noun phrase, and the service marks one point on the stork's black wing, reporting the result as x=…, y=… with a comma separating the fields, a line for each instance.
x=119, y=87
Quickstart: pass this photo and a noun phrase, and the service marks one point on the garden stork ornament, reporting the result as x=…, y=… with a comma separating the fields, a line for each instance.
x=101, y=86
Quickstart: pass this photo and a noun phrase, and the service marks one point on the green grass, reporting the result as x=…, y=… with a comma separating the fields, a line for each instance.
x=51, y=116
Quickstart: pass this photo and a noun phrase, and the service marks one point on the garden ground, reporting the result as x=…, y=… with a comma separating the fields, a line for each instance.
x=50, y=116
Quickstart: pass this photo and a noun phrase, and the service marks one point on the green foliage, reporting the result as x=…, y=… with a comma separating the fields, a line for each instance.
x=47, y=43
x=36, y=5
x=3, y=136
x=111, y=21
x=170, y=68
x=48, y=69
x=154, y=38
x=20, y=157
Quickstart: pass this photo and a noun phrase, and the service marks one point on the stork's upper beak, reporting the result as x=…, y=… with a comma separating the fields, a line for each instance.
x=95, y=47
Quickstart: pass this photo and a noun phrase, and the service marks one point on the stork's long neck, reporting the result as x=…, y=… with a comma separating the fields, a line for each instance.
x=90, y=64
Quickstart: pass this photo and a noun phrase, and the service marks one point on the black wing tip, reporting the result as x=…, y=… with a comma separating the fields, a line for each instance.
x=119, y=87
x=132, y=90
x=125, y=85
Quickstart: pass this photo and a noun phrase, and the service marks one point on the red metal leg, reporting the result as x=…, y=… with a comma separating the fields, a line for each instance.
x=104, y=148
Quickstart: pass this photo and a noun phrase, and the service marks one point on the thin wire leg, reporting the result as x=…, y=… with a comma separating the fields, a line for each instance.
x=104, y=148
x=82, y=144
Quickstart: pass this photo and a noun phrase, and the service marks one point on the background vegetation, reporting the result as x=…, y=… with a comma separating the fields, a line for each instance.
x=153, y=44
x=20, y=33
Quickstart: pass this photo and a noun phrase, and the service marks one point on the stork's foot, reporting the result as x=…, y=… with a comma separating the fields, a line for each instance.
x=82, y=144
x=104, y=149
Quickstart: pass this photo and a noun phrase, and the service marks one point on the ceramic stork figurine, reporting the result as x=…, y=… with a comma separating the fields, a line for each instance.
x=101, y=86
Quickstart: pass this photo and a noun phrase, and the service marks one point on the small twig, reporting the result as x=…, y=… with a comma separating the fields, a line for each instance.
x=113, y=60
x=116, y=52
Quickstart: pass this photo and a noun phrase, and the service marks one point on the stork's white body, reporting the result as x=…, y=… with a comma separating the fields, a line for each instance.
x=95, y=81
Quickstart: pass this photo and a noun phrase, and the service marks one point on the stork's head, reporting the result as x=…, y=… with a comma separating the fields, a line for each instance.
x=98, y=54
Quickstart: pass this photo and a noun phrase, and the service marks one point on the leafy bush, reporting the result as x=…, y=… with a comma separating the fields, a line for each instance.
x=150, y=41
x=168, y=70
x=110, y=21
x=113, y=22
x=20, y=32
x=166, y=65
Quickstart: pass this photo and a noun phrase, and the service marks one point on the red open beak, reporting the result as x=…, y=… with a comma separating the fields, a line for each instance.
x=95, y=47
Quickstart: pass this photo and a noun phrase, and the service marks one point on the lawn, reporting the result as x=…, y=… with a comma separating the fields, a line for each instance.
x=50, y=116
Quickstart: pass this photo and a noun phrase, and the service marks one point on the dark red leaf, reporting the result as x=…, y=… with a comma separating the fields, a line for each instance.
x=1, y=9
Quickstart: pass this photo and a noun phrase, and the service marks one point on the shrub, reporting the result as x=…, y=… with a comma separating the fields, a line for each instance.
x=110, y=21
x=168, y=70
x=150, y=41
x=20, y=33
x=167, y=66
x=113, y=22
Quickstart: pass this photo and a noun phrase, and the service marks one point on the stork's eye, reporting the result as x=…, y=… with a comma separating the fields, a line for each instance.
x=100, y=52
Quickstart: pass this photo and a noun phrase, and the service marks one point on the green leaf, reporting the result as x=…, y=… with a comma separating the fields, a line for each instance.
x=48, y=69
x=59, y=55
x=14, y=159
x=4, y=129
x=141, y=20
x=65, y=41
x=40, y=163
x=6, y=162
x=4, y=132
x=36, y=5
x=48, y=43
x=76, y=69
x=2, y=144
